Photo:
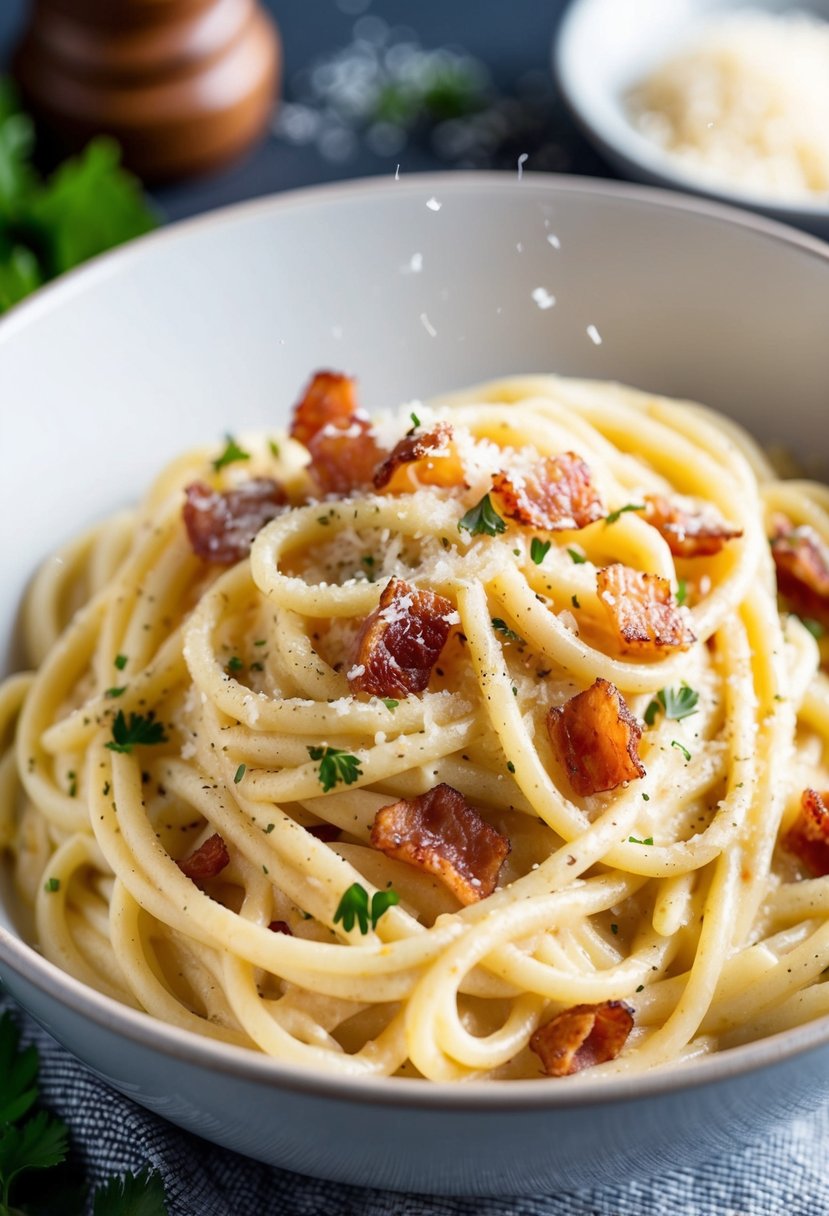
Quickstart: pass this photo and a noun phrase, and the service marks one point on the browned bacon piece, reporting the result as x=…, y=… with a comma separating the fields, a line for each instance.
x=643, y=610
x=221, y=527
x=689, y=533
x=425, y=458
x=280, y=926
x=439, y=832
x=802, y=561
x=401, y=641
x=556, y=495
x=596, y=738
x=808, y=837
x=344, y=456
x=330, y=397
x=207, y=861
x=582, y=1036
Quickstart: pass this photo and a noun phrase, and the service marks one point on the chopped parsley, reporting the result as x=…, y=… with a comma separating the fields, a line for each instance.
x=274, y=448
x=231, y=455
x=539, y=549
x=681, y=592
x=140, y=730
x=615, y=516
x=509, y=634
x=816, y=629
x=482, y=520
x=240, y=772
x=234, y=663
x=390, y=703
x=679, y=747
x=676, y=703
x=578, y=558
x=261, y=642
x=120, y=661
x=635, y=840
x=415, y=419
x=116, y=692
x=335, y=765
x=51, y=885
x=354, y=907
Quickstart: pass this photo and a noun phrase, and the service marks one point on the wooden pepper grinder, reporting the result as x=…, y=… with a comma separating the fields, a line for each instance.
x=183, y=85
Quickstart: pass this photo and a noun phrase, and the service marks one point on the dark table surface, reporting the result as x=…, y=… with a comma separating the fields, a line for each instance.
x=512, y=38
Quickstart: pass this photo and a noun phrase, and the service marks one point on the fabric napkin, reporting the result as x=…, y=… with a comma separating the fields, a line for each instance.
x=785, y=1175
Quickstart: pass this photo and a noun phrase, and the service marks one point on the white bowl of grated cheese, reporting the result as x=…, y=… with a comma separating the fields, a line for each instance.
x=728, y=98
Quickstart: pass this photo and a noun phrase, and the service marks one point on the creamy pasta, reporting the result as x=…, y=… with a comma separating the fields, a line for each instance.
x=225, y=786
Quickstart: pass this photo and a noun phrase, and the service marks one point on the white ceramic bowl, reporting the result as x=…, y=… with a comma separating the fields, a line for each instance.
x=604, y=47
x=214, y=324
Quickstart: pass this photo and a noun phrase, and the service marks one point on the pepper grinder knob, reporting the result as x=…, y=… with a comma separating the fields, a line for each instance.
x=184, y=85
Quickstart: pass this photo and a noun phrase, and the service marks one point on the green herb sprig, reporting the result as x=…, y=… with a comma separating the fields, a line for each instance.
x=615, y=516
x=355, y=907
x=539, y=549
x=509, y=634
x=141, y=730
x=231, y=455
x=335, y=765
x=675, y=703
x=482, y=520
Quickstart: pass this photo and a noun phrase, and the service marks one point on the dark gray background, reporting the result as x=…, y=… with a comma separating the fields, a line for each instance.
x=512, y=37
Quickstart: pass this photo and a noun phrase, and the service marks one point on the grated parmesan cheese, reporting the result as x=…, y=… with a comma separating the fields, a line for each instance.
x=746, y=105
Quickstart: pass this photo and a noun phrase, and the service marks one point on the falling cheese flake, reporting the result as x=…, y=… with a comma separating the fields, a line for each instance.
x=522, y=160
x=542, y=297
x=553, y=240
x=433, y=204
x=414, y=264
x=594, y=335
x=428, y=326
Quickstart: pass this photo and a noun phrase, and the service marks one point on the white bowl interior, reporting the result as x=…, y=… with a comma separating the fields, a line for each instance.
x=607, y=46
x=214, y=326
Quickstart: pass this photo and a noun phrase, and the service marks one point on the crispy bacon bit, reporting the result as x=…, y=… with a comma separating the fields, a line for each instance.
x=808, y=837
x=326, y=832
x=280, y=926
x=802, y=561
x=596, y=738
x=643, y=610
x=330, y=397
x=439, y=832
x=556, y=495
x=582, y=1036
x=428, y=458
x=344, y=456
x=221, y=527
x=401, y=641
x=207, y=861
x=700, y=532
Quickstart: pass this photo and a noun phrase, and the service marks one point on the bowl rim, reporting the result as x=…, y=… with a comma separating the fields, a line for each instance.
x=484, y=1097
x=624, y=144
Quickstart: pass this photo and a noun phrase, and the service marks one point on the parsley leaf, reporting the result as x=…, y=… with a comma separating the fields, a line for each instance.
x=141, y=729
x=677, y=703
x=240, y=772
x=51, y=885
x=509, y=634
x=577, y=558
x=120, y=661
x=230, y=455
x=37, y=1144
x=139, y=1194
x=335, y=765
x=679, y=747
x=354, y=907
x=681, y=592
x=635, y=840
x=234, y=663
x=390, y=703
x=816, y=629
x=539, y=549
x=482, y=520
x=116, y=692
x=273, y=447
x=415, y=419
x=615, y=516
x=19, y=1072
